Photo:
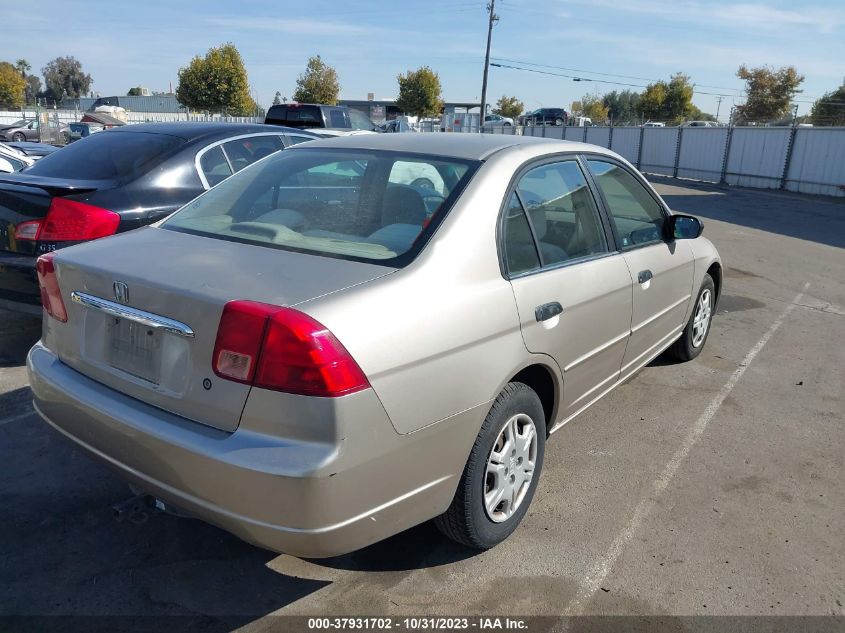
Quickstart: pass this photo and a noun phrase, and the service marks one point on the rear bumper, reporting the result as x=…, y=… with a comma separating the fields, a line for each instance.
x=19, y=283
x=305, y=498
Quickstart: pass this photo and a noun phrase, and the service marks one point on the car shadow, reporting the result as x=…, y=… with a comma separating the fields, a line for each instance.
x=18, y=333
x=66, y=556
x=419, y=547
x=813, y=218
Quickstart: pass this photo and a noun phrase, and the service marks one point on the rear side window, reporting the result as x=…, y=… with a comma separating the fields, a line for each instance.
x=520, y=249
x=562, y=212
x=214, y=166
x=243, y=152
x=358, y=204
x=636, y=214
x=109, y=155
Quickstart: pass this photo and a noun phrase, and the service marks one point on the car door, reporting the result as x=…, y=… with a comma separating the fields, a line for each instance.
x=662, y=269
x=573, y=291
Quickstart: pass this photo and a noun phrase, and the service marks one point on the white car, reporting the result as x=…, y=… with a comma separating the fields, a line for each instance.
x=12, y=159
x=497, y=120
x=653, y=124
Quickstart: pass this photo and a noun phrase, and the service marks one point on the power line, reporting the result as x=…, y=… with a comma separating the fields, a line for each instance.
x=595, y=72
x=599, y=81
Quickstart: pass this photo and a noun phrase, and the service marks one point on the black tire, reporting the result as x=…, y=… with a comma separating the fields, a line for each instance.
x=466, y=521
x=19, y=137
x=684, y=348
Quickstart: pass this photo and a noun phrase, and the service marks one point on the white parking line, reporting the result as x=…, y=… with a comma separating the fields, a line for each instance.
x=19, y=416
x=600, y=570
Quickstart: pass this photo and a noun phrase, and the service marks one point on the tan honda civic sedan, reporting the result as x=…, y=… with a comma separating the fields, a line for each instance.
x=364, y=333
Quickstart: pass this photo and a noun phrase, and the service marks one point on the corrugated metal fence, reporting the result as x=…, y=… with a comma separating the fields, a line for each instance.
x=70, y=116
x=807, y=160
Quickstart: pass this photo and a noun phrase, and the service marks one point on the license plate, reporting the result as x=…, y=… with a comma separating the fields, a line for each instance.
x=135, y=349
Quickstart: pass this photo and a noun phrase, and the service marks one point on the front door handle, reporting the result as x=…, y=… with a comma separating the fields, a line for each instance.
x=547, y=311
x=644, y=276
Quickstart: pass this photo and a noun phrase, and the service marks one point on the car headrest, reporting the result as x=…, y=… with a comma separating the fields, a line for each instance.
x=538, y=221
x=402, y=205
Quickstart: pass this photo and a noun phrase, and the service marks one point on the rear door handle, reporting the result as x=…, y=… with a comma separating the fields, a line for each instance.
x=644, y=276
x=547, y=311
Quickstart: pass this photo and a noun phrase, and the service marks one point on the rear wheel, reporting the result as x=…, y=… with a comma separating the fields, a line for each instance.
x=558, y=121
x=502, y=471
x=698, y=327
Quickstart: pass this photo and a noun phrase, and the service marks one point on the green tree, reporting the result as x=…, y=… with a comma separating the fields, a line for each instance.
x=318, y=84
x=419, y=92
x=32, y=90
x=277, y=99
x=697, y=114
x=509, y=107
x=12, y=86
x=652, y=99
x=63, y=77
x=592, y=107
x=769, y=91
x=668, y=101
x=135, y=92
x=622, y=106
x=216, y=83
x=678, y=102
x=33, y=83
x=830, y=109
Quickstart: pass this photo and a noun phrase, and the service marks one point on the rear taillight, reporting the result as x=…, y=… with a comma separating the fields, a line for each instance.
x=72, y=221
x=283, y=349
x=51, y=296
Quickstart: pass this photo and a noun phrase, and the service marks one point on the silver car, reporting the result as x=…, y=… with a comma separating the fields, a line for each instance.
x=319, y=353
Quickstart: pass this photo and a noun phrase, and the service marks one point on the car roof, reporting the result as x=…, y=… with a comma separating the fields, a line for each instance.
x=193, y=131
x=456, y=145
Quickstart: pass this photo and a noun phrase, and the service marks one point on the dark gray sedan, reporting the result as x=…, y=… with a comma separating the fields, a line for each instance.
x=32, y=130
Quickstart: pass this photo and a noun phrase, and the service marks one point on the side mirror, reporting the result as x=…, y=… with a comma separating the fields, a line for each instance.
x=684, y=227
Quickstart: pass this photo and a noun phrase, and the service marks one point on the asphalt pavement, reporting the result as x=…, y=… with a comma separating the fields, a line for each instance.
x=713, y=487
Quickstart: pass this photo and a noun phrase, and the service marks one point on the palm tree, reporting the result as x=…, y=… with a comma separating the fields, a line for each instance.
x=23, y=67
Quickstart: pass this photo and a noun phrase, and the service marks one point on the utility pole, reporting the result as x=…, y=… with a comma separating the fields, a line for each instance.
x=718, y=107
x=492, y=19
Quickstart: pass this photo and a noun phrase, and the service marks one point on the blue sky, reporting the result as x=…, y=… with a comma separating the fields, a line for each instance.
x=370, y=42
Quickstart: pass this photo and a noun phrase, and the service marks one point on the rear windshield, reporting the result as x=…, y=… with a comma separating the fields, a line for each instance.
x=109, y=155
x=295, y=116
x=357, y=204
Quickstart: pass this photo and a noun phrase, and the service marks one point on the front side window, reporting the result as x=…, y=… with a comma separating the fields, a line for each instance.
x=354, y=204
x=636, y=214
x=562, y=212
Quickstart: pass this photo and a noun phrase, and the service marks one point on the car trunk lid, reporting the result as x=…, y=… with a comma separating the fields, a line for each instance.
x=27, y=198
x=184, y=279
